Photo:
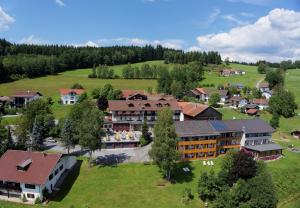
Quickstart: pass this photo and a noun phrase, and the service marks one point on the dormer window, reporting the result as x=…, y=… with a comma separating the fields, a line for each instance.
x=130, y=105
x=167, y=104
x=159, y=105
x=147, y=105
x=24, y=165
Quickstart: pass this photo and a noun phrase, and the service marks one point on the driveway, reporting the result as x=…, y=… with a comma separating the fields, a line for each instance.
x=136, y=155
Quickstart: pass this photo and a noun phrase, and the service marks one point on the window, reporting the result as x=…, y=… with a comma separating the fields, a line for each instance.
x=30, y=196
x=61, y=167
x=56, y=171
x=29, y=186
x=50, y=177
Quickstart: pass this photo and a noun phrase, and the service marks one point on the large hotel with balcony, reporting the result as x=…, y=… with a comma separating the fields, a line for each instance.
x=129, y=115
x=210, y=138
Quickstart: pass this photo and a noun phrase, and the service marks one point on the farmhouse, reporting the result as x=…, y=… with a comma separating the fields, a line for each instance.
x=203, y=94
x=264, y=87
x=21, y=98
x=30, y=175
x=262, y=103
x=210, y=138
x=196, y=111
x=231, y=72
x=237, y=102
x=130, y=114
x=70, y=96
x=133, y=95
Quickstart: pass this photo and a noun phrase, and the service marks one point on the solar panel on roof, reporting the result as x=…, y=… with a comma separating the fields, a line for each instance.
x=219, y=125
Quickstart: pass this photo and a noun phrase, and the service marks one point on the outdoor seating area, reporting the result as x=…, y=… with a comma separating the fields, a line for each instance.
x=121, y=139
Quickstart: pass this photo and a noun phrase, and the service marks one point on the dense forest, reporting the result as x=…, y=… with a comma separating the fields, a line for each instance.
x=22, y=60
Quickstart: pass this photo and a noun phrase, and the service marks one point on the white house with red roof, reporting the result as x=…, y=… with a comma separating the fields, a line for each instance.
x=70, y=96
x=30, y=175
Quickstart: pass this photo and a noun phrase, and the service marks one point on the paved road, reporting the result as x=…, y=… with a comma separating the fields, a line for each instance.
x=137, y=155
x=258, y=83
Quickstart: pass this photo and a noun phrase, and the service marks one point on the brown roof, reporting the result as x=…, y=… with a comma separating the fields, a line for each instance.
x=252, y=111
x=263, y=85
x=141, y=105
x=40, y=166
x=26, y=94
x=67, y=91
x=236, y=98
x=160, y=96
x=127, y=93
x=223, y=93
x=192, y=109
x=260, y=101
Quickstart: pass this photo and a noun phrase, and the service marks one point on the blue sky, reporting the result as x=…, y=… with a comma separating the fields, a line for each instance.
x=183, y=24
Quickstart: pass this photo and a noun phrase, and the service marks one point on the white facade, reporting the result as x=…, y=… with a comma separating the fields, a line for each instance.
x=32, y=191
x=69, y=99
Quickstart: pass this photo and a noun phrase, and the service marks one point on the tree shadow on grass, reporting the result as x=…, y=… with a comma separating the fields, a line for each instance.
x=68, y=183
x=111, y=160
x=181, y=176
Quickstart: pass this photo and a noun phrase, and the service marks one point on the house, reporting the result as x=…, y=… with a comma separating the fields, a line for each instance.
x=203, y=94
x=224, y=95
x=127, y=115
x=251, y=109
x=267, y=95
x=32, y=174
x=261, y=102
x=70, y=96
x=196, y=111
x=211, y=138
x=227, y=72
x=133, y=95
x=296, y=134
x=264, y=87
x=237, y=102
x=21, y=98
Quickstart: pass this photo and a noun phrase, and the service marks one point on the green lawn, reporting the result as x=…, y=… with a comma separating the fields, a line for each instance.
x=127, y=185
x=249, y=79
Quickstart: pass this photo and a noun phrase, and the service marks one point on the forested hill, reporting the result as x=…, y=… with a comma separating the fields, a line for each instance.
x=22, y=60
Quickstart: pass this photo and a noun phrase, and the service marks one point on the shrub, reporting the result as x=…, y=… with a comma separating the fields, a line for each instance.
x=38, y=200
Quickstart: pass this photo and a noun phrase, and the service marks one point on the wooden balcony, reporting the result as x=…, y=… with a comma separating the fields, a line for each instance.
x=205, y=150
x=233, y=146
x=184, y=143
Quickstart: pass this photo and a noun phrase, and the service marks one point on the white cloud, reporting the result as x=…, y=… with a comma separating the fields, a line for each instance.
x=246, y=14
x=234, y=20
x=5, y=20
x=170, y=43
x=60, y=3
x=31, y=39
x=273, y=37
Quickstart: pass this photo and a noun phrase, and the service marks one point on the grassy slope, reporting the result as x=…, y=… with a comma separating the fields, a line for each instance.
x=128, y=185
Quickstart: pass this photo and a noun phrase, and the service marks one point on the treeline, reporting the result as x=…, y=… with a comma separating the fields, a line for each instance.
x=23, y=60
x=286, y=64
x=180, y=57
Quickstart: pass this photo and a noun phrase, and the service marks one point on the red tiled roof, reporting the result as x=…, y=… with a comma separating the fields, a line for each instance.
x=127, y=93
x=192, y=109
x=67, y=91
x=260, y=101
x=27, y=94
x=252, y=111
x=141, y=105
x=38, y=171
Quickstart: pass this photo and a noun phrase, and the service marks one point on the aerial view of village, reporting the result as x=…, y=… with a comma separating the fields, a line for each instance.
x=150, y=103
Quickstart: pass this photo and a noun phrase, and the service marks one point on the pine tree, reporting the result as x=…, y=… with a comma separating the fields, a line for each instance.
x=36, y=135
x=163, y=150
x=68, y=135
